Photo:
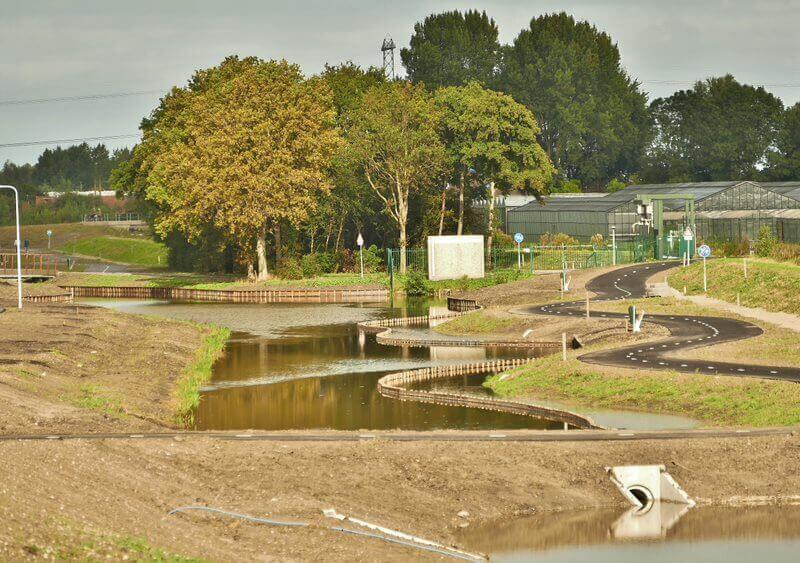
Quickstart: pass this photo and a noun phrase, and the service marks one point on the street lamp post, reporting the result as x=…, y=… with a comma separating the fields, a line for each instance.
x=18, y=244
x=360, y=242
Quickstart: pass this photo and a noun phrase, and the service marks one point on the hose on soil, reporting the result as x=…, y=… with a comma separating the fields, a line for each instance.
x=291, y=524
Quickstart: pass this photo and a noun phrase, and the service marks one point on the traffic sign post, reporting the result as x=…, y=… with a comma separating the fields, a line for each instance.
x=360, y=243
x=49, y=235
x=704, y=252
x=518, y=238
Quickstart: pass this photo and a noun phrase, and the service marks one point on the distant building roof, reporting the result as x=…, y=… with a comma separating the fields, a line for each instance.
x=789, y=189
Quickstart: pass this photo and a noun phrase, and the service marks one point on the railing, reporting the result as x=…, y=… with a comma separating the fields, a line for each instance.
x=32, y=264
x=112, y=217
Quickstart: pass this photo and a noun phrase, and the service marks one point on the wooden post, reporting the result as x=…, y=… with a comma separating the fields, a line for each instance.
x=564, y=346
x=587, y=305
x=745, y=268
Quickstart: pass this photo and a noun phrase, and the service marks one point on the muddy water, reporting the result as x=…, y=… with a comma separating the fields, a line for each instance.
x=292, y=366
x=665, y=533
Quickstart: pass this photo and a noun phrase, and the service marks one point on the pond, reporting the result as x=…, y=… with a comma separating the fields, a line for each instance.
x=306, y=366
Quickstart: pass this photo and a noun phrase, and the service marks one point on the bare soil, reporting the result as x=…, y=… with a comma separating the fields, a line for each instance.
x=66, y=368
x=57, y=496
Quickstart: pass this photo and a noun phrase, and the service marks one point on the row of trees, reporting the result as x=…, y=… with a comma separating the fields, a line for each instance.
x=596, y=124
x=255, y=152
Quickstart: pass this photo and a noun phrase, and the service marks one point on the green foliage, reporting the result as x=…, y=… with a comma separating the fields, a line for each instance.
x=452, y=48
x=598, y=241
x=492, y=138
x=416, y=283
x=561, y=185
x=615, y=185
x=718, y=130
x=787, y=253
x=784, y=161
x=594, y=118
x=767, y=241
x=558, y=239
x=290, y=268
x=394, y=139
x=730, y=248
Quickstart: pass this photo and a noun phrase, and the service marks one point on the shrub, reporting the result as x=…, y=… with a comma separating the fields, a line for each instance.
x=615, y=185
x=767, y=241
x=598, y=240
x=787, y=253
x=290, y=268
x=503, y=240
x=416, y=284
x=730, y=248
x=558, y=239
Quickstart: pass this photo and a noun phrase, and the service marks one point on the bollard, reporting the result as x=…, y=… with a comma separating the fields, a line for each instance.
x=564, y=346
x=738, y=301
x=587, y=305
x=745, y=268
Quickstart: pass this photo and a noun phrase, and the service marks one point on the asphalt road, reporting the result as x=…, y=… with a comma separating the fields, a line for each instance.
x=686, y=332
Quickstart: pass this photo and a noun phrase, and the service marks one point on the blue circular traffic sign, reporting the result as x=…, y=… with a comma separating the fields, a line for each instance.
x=518, y=238
x=704, y=251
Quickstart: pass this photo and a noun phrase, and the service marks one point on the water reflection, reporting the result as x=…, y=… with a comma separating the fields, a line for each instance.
x=714, y=534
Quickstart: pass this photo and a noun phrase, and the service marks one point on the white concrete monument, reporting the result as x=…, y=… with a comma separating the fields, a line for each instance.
x=453, y=257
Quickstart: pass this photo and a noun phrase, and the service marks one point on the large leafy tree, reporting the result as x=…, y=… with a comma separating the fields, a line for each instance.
x=394, y=139
x=491, y=140
x=451, y=48
x=784, y=161
x=244, y=146
x=593, y=116
x=718, y=130
x=350, y=199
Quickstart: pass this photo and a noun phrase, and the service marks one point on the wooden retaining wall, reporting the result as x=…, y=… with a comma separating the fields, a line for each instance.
x=311, y=295
x=462, y=305
x=394, y=386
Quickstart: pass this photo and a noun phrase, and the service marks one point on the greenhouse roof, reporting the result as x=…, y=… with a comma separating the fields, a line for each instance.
x=789, y=189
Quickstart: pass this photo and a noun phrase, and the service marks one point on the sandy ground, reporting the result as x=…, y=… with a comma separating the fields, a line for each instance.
x=55, y=495
x=66, y=368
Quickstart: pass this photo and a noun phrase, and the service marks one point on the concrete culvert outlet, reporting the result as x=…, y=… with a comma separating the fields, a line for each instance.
x=642, y=495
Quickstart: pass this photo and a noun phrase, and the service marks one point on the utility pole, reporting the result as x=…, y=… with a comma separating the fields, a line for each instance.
x=18, y=244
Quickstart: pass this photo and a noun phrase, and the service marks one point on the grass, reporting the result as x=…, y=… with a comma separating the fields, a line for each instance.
x=198, y=373
x=716, y=401
x=770, y=285
x=480, y=322
x=496, y=277
x=141, y=252
x=93, y=397
x=323, y=280
x=63, y=234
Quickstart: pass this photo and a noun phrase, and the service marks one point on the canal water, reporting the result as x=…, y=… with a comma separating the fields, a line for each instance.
x=307, y=366
x=665, y=533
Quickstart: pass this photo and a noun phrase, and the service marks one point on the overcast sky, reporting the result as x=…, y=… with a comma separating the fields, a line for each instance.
x=61, y=48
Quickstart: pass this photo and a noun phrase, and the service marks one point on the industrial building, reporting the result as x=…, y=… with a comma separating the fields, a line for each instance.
x=713, y=211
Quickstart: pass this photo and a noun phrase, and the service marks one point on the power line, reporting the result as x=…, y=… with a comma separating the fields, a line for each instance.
x=65, y=141
x=78, y=98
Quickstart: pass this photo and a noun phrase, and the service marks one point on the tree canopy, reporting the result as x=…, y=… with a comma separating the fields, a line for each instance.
x=593, y=116
x=451, y=48
x=245, y=145
x=491, y=139
x=718, y=130
x=394, y=139
x=784, y=160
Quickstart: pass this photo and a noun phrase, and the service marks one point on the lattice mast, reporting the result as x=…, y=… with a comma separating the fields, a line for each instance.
x=387, y=49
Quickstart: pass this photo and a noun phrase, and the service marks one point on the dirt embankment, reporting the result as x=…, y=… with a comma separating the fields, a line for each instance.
x=60, y=495
x=72, y=368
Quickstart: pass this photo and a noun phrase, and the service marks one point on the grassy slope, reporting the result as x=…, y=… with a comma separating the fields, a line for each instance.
x=142, y=252
x=774, y=286
x=480, y=322
x=198, y=373
x=716, y=401
x=63, y=234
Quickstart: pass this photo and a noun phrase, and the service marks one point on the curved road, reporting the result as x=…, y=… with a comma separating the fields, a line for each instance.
x=686, y=332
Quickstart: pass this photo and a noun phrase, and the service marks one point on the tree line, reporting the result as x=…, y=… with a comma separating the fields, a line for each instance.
x=252, y=165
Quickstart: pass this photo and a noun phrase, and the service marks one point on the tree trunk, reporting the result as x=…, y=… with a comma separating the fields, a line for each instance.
x=443, y=209
x=491, y=224
x=261, y=251
x=403, y=245
x=339, y=235
x=278, y=244
x=461, y=205
x=313, y=234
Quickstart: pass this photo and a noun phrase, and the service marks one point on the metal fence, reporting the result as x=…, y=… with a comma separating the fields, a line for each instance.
x=533, y=258
x=111, y=217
